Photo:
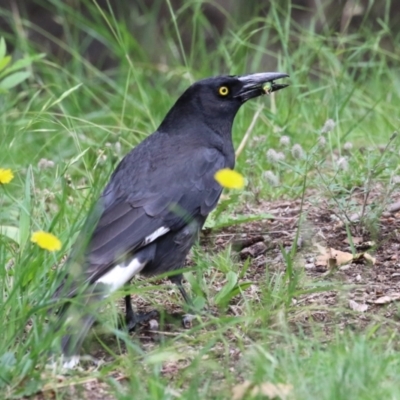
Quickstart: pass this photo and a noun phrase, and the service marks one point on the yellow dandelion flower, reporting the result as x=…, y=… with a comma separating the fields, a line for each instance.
x=6, y=176
x=229, y=179
x=46, y=241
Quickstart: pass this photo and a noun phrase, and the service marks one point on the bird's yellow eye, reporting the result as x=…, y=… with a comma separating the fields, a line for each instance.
x=223, y=90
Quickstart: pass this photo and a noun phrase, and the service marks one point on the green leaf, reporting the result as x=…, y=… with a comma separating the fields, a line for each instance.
x=3, y=48
x=21, y=63
x=25, y=213
x=12, y=232
x=66, y=94
x=239, y=288
x=162, y=356
x=4, y=62
x=245, y=267
x=223, y=295
x=14, y=79
x=237, y=220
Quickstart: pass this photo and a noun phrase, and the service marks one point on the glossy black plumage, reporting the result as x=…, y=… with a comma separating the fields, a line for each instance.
x=161, y=193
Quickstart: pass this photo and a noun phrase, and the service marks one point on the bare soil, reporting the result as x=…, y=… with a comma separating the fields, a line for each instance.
x=365, y=290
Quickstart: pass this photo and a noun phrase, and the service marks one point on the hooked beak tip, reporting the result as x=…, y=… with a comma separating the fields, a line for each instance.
x=255, y=85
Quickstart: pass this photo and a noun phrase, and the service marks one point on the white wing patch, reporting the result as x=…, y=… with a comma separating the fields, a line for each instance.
x=119, y=275
x=156, y=234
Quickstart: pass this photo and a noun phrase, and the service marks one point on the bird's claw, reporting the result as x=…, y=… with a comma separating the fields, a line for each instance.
x=132, y=321
x=187, y=320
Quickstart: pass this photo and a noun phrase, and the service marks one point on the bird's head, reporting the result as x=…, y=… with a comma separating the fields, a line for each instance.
x=237, y=89
x=219, y=98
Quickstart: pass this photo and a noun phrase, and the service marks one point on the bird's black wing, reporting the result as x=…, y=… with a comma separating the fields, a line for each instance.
x=138, y=206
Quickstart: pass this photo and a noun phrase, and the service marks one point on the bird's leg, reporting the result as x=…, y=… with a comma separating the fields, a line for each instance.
x=132, y=319
x=187, y=318
x=177, y=280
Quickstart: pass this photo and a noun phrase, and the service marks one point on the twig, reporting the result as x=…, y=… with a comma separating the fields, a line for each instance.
x=391, y=209
x=248, y=132
x=371, y=175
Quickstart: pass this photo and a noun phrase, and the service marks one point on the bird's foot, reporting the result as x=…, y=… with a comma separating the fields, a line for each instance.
x=187, y=320
x=132, y=320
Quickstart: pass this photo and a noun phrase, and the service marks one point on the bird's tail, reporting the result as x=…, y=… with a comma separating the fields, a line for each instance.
x=71, y=343
x=76, y=318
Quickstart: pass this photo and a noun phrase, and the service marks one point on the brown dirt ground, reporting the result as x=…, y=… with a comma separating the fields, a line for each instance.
x=371, y=288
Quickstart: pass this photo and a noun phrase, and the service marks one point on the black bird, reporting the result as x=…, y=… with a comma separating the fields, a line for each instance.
x=157, y=200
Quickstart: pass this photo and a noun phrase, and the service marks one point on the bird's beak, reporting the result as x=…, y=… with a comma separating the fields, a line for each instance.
x=257, y=84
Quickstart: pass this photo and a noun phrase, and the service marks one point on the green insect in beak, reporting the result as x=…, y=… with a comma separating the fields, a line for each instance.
x=267, y=87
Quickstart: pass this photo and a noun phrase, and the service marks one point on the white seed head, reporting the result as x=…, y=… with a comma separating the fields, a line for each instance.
x=297, y=151
x=343, y=163
x=259, y=139
x=271, y=178
x=280, y=156
x=321, y=141
x=329, y=126
x=44, y=163
x=272, y=156
x=348, y=146
x=396, y=179
x=284, y=141
x=47, y=195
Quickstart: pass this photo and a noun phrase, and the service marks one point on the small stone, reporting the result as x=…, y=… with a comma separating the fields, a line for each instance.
x=253, y=251
x=357, y=307
x=153, y=325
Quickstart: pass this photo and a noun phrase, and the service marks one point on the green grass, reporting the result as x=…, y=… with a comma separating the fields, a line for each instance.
x=84, y=120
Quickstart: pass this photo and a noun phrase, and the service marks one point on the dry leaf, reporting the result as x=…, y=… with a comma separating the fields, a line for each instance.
x=371, y=260
x=357, y=306
x=365, y=257
x=333, y=258
x=386, y=299
x=247, y=390
x=355, y=239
